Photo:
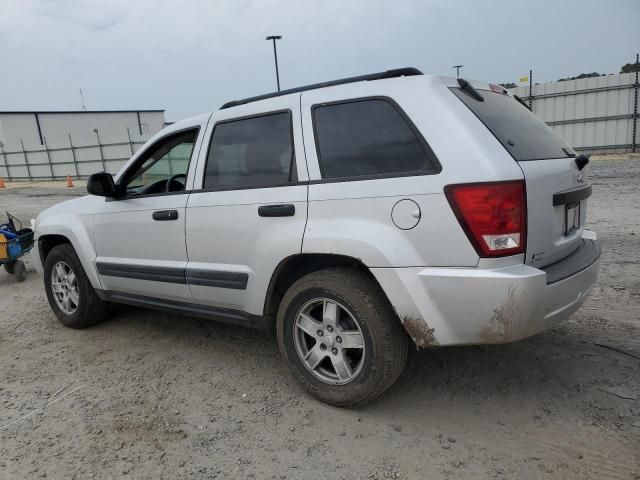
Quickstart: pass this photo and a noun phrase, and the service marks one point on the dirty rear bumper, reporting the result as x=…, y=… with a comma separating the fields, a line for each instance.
x=458, y=306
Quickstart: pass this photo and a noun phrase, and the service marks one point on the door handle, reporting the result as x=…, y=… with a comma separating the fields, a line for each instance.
x=287, y=210
x=164, y=215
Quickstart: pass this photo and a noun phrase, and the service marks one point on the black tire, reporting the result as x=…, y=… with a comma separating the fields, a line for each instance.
x=19, y=270
x=8, y=267
x=385, y=340
x=90, y=309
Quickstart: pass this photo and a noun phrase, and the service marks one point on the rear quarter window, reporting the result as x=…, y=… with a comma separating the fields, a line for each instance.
x=371, y=137
x=524, y=135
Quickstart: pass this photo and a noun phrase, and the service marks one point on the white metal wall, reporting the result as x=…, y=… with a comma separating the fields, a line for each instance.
x=594, y=115
x=70, y=143
x=57, y=126
x=17, y=126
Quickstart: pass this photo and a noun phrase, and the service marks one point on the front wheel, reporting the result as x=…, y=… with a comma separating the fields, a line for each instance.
x=340, y=337
x=70, y=294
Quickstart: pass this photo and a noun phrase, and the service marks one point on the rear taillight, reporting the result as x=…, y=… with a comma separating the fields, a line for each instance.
x=493, y=215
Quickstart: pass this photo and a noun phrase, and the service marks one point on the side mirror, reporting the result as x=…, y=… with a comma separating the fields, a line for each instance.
x=102, y=185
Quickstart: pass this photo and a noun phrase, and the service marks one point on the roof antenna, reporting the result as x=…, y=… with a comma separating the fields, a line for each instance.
x=84, y=107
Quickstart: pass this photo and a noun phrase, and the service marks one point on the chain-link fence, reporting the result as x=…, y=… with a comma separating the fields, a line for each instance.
x=80, y=159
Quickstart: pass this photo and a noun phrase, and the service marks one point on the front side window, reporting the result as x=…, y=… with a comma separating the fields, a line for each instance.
x=164, y=166
x=369, y=138
x=251, y=153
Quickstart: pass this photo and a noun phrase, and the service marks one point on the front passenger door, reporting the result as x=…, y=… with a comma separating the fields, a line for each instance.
x=139, y=239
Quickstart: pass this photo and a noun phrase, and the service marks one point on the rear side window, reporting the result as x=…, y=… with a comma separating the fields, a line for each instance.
x=251, y=153
x=368, y=138
x=524, y=135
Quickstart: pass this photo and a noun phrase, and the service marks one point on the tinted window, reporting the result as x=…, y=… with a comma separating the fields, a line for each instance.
x=254, y=152
x=368, y=137
x=524, y=135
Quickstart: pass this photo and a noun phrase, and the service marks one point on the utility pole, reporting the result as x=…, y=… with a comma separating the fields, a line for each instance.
x=275, y=55
x=457, y=67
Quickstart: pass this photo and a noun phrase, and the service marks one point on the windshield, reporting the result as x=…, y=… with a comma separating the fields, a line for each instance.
x=525, y=136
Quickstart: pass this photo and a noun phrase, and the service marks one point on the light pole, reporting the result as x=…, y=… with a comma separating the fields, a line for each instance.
x=275, y=55
x=457, y=67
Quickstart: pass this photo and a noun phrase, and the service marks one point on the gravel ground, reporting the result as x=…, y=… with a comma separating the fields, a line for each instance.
x=162, y=396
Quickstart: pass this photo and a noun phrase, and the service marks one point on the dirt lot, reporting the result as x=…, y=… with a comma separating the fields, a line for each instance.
x=168, y=397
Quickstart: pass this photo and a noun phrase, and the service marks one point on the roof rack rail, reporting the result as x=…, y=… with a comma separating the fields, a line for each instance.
x=398, y=72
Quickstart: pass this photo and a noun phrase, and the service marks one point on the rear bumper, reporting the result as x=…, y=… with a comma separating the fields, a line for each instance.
x=457, y=306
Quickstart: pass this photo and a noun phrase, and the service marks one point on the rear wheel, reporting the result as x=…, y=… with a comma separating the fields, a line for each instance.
x=19, y=270
x=9, y=267
x=70, y=294
x=340, y=337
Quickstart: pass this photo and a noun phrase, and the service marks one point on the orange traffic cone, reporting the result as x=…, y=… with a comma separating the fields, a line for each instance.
x=1, y=182
x=69, y=181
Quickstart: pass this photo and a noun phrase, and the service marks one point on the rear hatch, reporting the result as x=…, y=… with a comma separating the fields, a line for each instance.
x=556, y=192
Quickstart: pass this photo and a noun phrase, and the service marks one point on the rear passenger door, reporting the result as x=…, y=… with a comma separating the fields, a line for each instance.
x=375, y=193
x=250, y=209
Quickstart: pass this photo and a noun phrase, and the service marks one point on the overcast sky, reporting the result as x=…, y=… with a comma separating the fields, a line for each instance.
x=190, y=56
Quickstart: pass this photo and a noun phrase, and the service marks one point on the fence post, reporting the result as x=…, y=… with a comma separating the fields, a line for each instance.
x=104, y=167
x=26, y=160
x=130, y=141
x=46, y=149
x=75, y=160
x=6, y=162
x=635, y=107
x=531, y=90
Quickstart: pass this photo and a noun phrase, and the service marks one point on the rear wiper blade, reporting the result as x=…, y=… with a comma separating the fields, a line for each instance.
x=470, y=89
x=522, y=102
x=568, y=153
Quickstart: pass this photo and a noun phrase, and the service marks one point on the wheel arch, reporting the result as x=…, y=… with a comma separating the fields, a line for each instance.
x=48, y=242
x=297, y=266
x=68, y=230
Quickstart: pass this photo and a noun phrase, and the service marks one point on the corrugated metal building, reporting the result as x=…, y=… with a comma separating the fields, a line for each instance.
x=594, y=115
x=55, y=127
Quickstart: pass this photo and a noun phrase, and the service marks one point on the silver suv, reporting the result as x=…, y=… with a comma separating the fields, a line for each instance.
x=354, y=217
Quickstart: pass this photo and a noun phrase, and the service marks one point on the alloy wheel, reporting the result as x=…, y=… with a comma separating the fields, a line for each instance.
x=64, y=286
x=329, y=341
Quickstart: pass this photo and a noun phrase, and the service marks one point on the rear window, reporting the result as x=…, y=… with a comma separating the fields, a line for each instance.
x=370, y=137
x=524, y=135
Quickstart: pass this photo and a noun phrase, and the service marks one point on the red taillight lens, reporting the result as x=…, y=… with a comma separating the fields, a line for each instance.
x=493, y=215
